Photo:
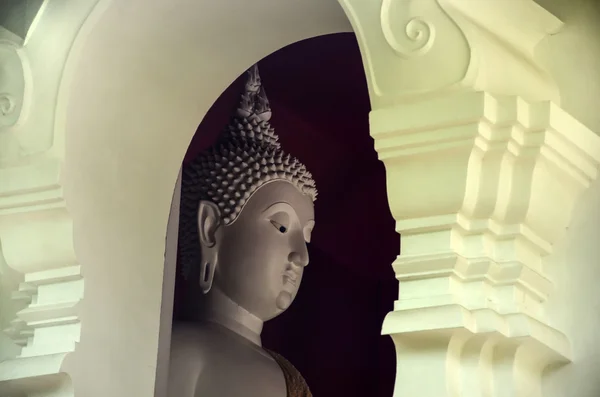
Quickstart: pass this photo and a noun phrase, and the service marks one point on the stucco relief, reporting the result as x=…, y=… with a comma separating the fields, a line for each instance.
x=419, y=36
x=469, y=41
x=12, y=84
x=40, y=276
x=416, y=40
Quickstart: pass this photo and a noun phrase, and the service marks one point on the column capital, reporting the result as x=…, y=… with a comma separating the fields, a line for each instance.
x=420, y=47
x=483, y=171
x=482, y=187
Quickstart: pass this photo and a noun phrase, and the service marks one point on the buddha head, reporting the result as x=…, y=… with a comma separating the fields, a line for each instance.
x=247, y=212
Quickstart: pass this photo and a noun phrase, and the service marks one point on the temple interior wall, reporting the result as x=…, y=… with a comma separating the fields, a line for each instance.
x=573, y=58
x=575, y=267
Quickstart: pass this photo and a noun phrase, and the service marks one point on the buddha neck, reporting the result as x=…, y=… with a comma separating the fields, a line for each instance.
x=222, y=310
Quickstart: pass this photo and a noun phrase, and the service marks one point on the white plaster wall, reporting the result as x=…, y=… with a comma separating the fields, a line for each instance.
x=573, y=57
x=575, y=265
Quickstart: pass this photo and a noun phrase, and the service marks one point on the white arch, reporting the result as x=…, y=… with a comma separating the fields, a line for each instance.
x=136, y=93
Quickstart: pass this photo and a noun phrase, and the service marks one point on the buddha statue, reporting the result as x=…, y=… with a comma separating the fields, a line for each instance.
x=246, y=217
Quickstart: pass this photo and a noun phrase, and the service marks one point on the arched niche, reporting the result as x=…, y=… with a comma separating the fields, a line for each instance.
x=132, y=97
x=320, y=111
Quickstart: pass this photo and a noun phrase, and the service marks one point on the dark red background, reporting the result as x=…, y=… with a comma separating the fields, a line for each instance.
x=320, y=103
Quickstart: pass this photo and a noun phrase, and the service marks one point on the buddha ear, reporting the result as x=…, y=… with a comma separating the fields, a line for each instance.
x=209, y=220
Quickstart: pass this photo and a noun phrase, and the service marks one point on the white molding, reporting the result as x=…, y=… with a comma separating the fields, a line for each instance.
x=481, y=186
x=483, y=171
x=40, y=320
x=42, y=314
x=418, y=47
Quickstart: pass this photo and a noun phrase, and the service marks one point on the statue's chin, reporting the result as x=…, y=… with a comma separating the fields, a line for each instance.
x=284, y=300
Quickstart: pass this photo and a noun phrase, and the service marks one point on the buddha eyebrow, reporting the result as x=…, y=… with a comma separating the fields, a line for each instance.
x=274, y=206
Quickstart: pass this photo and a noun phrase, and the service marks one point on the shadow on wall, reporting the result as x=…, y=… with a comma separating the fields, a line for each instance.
x=320, y=103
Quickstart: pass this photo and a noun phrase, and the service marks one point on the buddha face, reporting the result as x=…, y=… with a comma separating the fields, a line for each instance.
x=262, y=255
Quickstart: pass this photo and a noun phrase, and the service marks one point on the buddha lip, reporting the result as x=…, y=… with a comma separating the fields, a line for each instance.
x=290, y=277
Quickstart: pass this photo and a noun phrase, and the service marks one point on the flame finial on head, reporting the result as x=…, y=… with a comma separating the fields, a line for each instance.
x=246, y=156
x=254, y=103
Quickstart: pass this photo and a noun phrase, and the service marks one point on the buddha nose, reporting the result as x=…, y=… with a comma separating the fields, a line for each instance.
x=299, y=254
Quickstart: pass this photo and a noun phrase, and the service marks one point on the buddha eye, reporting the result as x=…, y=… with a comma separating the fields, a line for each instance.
x=282, y=229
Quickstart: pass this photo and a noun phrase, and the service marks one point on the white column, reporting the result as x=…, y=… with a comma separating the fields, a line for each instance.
x=483, y=171
x=41, y=282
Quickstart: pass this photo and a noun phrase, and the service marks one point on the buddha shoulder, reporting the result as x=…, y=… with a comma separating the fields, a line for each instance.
x=189, y=340
x=192, y=350
x=204, y=361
